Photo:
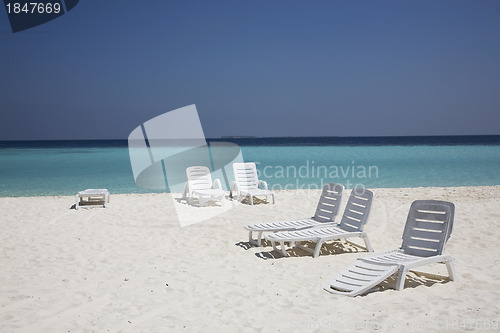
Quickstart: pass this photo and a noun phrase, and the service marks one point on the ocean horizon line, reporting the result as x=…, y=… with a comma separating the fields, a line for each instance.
x=281, y=137
x=482, y=139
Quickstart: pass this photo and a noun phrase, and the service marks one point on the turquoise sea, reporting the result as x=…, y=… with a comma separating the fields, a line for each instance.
x=38, y=168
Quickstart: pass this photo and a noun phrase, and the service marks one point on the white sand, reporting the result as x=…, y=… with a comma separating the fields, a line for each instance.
x=131, y=267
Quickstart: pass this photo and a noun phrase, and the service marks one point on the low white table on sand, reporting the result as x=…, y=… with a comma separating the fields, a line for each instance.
x=95, y=198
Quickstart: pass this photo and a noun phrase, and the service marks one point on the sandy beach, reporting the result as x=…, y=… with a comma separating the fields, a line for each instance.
x=132, y=268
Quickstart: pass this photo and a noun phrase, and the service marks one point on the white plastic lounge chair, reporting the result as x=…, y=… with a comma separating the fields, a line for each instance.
x=352, y=223
x=327, y=209
x=246, y=182
x=428, y=227
x=199, y=183
x=92, y=198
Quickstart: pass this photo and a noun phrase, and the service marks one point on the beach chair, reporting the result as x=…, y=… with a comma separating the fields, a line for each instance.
x=352, y=223
x=92, y=198
x=199, y=183
x=247, y=183
x=327, y=209
x=428, y=227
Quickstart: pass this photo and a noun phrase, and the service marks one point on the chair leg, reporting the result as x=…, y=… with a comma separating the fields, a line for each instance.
x=283, y=250
x=256, y=242
x=401, y=278
x=274, y=246
x=259, y=238
x=250, y=238
x=319, y=244
x=251, y=199
x=451, y=269
x=184, y=193
x=367, y=242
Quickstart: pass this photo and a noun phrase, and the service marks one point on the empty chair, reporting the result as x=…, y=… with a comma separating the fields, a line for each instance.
x=327, y=209
x=352, y=223
x=428, y=228
x=246, y=182
x=199, y=183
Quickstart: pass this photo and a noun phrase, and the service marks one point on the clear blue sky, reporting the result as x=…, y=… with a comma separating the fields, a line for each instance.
x=255, y=67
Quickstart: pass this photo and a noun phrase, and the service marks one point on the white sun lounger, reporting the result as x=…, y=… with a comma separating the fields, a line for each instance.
x=92, y=198
x=199, y=183
x=247, y=183
x=327, y=209
x=352, y=223
x=428, y=227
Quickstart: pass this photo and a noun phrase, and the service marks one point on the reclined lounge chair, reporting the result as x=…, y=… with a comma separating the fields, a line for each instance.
x=428, y=227
x=327, y=209
x=247, y=183
x=199, y=183
x=352, y=223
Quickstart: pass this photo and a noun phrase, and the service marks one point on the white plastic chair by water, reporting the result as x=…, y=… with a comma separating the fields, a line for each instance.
x=428, y=227
x=327, y=209
x=199, y=183
x=92, y=198
x=246, y=183
x=353, y=220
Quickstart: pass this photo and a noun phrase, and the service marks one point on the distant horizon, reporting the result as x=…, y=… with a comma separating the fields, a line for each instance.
x=279, y=137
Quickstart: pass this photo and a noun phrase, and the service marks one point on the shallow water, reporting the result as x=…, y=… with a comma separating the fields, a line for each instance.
x=64, y=168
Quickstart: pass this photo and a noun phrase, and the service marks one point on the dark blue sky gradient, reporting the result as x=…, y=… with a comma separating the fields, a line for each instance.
x=255, y=68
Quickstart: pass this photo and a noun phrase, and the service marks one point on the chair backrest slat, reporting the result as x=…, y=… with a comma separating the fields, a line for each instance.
x=428, y=227
x=328, y=205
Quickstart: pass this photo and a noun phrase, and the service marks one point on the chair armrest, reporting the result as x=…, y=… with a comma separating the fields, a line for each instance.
x=233, y=187
x=185, y=192
x=263, y=183
x=217, y=184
